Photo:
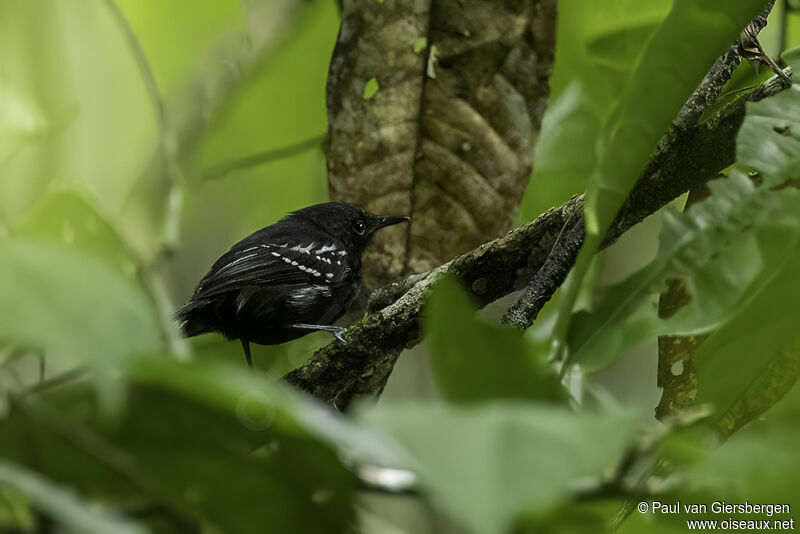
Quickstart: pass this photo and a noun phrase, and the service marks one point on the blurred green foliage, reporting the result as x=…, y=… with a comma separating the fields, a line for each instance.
x=459, y=343
x=110, y=114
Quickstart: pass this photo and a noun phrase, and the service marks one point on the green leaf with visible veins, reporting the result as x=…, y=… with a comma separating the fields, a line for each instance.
x=696, y=33
x=716, y=246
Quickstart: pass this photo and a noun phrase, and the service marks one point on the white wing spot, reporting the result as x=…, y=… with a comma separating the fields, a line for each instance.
x=304, y=250
x=275, y=254
x=329, y=275
x=234, y=262
x=326, y=248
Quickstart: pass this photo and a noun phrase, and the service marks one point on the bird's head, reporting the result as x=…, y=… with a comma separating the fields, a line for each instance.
x=348, y=223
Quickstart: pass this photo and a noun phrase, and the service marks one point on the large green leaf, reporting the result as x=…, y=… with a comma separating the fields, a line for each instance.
x=708, y=246
x=697, y=33
x=599, y=44
x=213, y=442
x=68, y=217
x=473, y=360
x=232, y=387
x=758, y=464
x=488, y=465
x=61, y=504
x=81, y=131
x=239, y=475
x=769, y=139
x=71, y=305
x=732, y=359
x=35, y=105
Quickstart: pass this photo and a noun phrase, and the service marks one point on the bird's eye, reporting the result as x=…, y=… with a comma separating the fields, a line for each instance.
x=359, y=226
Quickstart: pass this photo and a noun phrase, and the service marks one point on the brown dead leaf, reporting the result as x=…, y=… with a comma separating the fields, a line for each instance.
x=433, y=107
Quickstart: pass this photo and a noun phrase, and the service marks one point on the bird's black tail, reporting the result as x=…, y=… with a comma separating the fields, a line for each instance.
x=190, y=319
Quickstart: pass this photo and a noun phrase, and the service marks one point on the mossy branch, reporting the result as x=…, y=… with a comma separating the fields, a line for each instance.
x=341, y=372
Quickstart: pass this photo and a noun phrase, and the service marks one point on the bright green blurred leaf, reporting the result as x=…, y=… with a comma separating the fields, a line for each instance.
x=473, y=360
x=695, y=33
x=173, y=54
x=72, y=305
x=758, y=463
x=66, y=217
x=599, y=43
x=769, y=139
x=562, y=171
x=489, y=464
x=730, y=361
x=214, y=442
x=672, y=64
x=226, y=387
x=708, y=246
x=35, y=102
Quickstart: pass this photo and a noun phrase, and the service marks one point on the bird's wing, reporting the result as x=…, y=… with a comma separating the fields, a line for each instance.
x=259, y=266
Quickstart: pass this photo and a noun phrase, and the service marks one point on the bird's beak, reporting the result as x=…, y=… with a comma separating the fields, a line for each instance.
x=390, y=220
x=381, y=221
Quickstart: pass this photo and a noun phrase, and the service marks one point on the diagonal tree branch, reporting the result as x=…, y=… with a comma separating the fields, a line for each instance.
x=341, y=372
x=689, y=156
x=548, y=279
x=223, y=168
x=554, y=271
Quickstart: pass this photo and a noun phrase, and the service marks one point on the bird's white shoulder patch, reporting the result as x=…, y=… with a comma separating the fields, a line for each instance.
x=325, y=248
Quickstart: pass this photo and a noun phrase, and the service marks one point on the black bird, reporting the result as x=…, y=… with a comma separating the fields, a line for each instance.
x=286, y=280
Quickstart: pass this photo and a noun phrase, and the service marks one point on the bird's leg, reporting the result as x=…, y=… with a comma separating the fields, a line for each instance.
x=335, y=330
x=246, y=347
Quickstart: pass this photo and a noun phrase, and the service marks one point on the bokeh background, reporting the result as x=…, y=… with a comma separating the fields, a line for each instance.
x=82, y=133
x=113, y=117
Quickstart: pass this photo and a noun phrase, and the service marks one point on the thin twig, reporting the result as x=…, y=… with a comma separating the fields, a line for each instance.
x=220, y=170
x=547, y=279
x=59, y=380
x=167, y=148
x=148, y=270
x=554, y=271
